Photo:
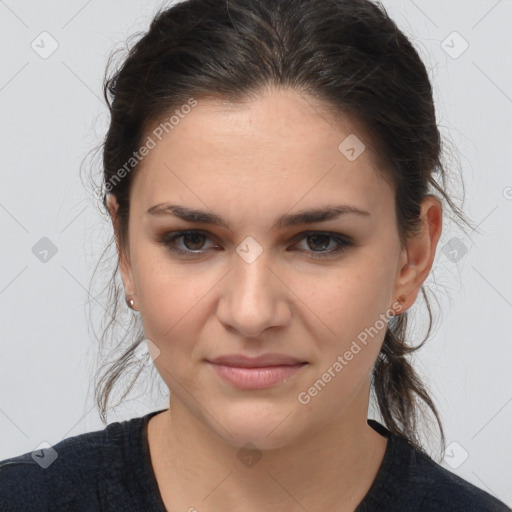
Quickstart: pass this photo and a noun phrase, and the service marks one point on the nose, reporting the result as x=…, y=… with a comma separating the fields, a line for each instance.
x=253, y=297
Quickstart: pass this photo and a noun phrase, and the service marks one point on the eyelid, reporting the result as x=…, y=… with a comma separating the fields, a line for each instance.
x=343, y=242
x=173, y=235
x=298, y=236
x=333, y=234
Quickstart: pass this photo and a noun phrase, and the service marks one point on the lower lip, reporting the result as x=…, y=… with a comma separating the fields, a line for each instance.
x=256, y=378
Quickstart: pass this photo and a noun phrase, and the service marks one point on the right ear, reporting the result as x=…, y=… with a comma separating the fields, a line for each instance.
x=122, y=252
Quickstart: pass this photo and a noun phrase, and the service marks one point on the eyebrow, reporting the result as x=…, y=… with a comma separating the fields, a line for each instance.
x=291, y=219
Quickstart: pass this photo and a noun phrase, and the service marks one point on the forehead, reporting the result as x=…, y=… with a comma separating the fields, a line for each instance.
x=277, y=149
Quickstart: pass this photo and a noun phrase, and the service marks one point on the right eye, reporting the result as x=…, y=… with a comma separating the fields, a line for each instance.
x=192, y=241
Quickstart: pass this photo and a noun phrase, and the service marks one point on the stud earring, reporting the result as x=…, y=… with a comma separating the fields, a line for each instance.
x=130, y=303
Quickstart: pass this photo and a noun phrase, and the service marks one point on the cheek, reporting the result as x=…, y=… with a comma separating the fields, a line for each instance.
x=353, y=305
x=353, y=308
x=348, y=299
x=170, y=296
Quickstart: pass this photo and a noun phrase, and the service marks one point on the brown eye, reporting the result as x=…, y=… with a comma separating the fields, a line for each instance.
x=318, y=243
x=192, y=242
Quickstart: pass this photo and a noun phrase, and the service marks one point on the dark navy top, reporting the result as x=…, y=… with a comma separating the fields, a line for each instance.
x=110, y=470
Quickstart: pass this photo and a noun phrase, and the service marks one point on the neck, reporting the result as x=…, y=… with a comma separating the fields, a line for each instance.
x=331, y=467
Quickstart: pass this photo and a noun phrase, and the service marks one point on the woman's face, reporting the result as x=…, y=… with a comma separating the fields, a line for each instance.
x=252, y=285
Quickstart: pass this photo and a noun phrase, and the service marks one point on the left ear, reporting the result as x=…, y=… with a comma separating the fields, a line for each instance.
x=418, y=255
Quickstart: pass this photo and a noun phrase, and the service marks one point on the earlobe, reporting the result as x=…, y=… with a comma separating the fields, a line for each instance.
x=130, y=301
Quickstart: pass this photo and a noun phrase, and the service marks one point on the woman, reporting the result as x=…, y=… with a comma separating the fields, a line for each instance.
x=269, y=170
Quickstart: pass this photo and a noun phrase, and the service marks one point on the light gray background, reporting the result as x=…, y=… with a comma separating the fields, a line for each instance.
x=52, y=114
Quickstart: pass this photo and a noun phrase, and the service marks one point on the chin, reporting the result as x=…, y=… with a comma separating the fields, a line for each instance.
x=266, y=427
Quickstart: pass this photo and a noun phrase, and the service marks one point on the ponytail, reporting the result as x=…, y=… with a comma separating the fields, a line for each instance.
x=398, y=387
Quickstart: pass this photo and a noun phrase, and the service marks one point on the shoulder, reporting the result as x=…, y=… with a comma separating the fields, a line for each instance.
x=64, y=474
x=440, y=490
x=409, y=479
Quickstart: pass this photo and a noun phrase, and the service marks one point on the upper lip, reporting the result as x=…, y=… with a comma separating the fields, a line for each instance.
x=264, y=360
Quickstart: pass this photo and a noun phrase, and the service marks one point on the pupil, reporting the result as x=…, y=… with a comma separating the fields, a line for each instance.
x=317, y=237
x=192, y=236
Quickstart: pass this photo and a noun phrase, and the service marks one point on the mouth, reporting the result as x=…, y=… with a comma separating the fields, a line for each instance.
x=262, y=361
x=256, y=373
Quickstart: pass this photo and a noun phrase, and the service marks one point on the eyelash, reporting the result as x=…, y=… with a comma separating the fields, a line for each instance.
x=168, y=240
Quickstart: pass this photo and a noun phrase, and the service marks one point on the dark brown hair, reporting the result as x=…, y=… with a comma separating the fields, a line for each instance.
x=347, y=53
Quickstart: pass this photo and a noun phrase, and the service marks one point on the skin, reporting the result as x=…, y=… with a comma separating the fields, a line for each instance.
x=250, y=164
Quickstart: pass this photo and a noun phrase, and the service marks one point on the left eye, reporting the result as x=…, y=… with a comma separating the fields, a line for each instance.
x=193, y=242
x=322, y=241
